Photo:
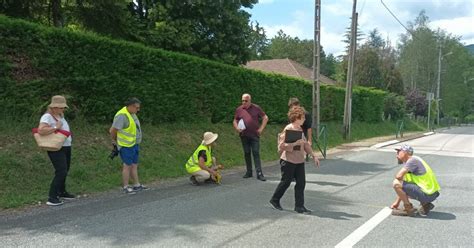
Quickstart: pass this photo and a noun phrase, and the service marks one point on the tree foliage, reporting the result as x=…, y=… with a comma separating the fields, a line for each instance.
x=421, y=51
x=285, y=46
x=217, y=30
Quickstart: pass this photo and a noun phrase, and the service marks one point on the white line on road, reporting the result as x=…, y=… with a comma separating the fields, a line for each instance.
x=363, y=230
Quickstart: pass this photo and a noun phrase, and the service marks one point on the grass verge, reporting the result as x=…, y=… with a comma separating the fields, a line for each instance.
x=26, y=172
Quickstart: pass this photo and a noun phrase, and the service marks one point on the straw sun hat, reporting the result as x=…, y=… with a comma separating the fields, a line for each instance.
x=58, y=102
x=209, y=137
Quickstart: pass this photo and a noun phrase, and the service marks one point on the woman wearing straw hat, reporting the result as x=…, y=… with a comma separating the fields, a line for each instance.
x=52, y=121
x=202, y=165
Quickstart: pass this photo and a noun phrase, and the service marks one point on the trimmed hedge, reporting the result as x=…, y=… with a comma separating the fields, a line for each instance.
x=98, y=74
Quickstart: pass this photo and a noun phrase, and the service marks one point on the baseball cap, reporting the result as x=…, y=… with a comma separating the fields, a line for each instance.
x=405, y=148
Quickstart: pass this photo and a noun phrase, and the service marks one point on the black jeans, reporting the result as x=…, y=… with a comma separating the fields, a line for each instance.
x=251, y=147
x=288, y=172
x=61, y=162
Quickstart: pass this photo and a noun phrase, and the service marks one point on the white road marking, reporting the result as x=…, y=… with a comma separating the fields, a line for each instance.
x=363, y=230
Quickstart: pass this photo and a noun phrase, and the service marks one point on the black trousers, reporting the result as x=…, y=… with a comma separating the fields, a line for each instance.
x=288, y=172
x=61, y=161
x=251, y=146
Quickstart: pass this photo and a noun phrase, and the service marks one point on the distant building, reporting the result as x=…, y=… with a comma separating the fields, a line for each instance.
x=286, y=67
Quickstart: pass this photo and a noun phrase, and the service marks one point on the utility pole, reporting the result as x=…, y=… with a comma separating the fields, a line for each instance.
x=439, y=84
x=316, y=69
x=350, y=72
x=429, y=97
x=440, y=57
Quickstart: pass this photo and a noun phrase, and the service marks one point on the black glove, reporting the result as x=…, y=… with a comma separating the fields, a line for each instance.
x=115, y=152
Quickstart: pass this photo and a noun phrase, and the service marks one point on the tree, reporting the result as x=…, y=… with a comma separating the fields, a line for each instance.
x=284, y=46
x=217, y=30
x=259, y=42
x=419, y=59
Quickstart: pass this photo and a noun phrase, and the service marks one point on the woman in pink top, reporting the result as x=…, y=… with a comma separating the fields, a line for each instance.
x=292, y=158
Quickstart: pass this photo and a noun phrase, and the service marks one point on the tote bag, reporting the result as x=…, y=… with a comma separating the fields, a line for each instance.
x=51, y=142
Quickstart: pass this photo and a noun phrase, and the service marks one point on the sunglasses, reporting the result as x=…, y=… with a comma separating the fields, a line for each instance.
x=245, y=100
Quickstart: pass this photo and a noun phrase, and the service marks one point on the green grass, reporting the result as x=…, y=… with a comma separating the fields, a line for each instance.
x=26, y=172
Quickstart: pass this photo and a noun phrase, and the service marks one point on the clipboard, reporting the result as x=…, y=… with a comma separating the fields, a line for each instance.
x=292, y=136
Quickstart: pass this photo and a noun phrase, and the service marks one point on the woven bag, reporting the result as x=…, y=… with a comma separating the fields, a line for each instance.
x=51, y=142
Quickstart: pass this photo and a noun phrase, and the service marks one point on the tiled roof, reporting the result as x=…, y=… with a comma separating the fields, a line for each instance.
x=286, y=67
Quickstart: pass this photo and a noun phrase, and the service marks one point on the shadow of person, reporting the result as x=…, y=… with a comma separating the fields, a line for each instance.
x=334, y=215
x=435, y=215
x=322, y=183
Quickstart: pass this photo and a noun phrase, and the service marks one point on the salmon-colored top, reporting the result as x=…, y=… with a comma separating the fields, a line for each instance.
x=286, y=149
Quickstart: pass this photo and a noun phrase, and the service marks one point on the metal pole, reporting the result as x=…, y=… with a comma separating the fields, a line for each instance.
x=429, y=111
x=316, y=69
x=439, y=84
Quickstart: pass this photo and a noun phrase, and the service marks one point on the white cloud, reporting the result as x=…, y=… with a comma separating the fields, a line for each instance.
x=298, y=27
x=461, y=26
x=332, y=42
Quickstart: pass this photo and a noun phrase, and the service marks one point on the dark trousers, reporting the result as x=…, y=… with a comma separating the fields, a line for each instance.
x=61, y=161
x=251, y=147
x=288, y=172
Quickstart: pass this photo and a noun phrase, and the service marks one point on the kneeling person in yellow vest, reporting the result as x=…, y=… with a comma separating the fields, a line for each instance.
x=202, y=165
x=415, y=180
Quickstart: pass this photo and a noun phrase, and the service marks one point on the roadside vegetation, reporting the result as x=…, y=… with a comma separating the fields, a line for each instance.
x=26, y=172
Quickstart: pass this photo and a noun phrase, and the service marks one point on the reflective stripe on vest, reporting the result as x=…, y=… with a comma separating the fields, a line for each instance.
x=193, y=162
x=427, y=182
x=127, y=137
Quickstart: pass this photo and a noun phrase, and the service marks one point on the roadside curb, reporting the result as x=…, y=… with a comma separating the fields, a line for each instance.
x=391, y=142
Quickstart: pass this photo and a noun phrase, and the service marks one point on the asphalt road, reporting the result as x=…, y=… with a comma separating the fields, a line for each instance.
x=345, y=194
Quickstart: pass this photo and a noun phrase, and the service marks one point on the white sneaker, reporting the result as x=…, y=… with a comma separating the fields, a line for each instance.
x=128, y=190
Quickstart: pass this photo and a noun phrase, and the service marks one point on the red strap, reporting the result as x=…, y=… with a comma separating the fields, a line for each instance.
x=63, y=132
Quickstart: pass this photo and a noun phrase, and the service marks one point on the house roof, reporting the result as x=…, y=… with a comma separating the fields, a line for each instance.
x=286, y=67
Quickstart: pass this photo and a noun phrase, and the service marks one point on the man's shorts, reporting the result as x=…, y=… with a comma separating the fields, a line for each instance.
x=415, y=192
x=129, y=155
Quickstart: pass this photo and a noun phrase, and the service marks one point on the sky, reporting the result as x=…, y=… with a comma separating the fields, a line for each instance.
x=296, y=18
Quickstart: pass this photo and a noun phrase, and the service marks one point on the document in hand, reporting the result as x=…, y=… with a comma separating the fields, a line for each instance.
x=241, y=124
x=292, y=136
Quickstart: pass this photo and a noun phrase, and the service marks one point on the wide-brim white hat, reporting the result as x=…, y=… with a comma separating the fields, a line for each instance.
x=209, y=137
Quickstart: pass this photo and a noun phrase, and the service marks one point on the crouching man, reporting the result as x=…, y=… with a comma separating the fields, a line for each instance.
x=415, y=180
x=202, y=165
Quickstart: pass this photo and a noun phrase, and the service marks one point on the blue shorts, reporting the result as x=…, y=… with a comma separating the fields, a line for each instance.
x=415, y=192
x=129, y=155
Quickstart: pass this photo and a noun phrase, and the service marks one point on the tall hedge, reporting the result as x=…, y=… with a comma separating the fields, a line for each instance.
x=98, y=74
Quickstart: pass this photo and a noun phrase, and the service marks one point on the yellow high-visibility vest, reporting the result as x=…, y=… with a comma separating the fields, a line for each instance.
x=127, y=137
x=427, y=182
x=193, y=162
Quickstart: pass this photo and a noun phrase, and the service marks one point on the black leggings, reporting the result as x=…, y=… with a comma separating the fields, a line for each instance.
x=288, y=172
x=61, y=161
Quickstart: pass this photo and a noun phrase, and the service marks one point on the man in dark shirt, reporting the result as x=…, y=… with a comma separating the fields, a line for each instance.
x=246, y=122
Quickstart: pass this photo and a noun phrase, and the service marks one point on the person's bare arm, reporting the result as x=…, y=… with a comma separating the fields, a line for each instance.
x=310, y=136
x=401, y=173
x=236, y=126
x=113, y=134
x=264, y=124
x=202, y=165
x=45, y=128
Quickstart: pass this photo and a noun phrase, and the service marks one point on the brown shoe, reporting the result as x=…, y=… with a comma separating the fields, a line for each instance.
x=408, y=210
x=425, y=208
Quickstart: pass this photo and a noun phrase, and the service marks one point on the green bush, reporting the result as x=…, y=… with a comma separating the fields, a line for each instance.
x=394, y=107
x=98, y=74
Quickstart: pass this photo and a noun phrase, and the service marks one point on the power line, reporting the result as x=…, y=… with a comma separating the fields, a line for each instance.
x=409, y=31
